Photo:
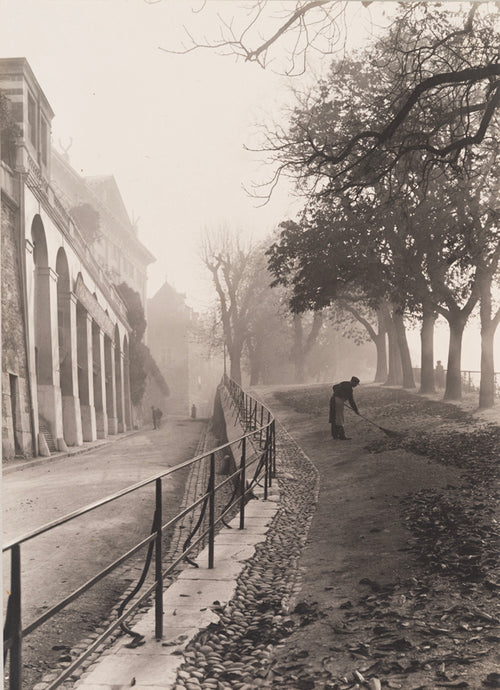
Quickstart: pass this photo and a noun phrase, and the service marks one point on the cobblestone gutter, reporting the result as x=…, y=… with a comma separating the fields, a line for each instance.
x=237, y=651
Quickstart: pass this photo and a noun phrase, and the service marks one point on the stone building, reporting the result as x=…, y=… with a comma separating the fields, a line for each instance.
x=97, y=206
x=182, y=356
x=65, y=335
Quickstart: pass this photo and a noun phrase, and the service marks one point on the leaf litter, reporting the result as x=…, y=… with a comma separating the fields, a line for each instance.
x=440, y=628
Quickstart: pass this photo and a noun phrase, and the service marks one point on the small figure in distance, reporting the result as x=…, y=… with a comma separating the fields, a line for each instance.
x=439, y=374
x=342, y=393
x=193, y=411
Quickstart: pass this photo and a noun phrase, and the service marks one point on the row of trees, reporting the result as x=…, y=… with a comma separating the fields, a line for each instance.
x=255, y=323
x=395, y=225
x=395, y=152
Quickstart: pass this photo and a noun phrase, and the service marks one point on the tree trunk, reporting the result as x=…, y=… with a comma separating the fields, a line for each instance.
x=408, y=380
x=427, y=384
x=381, y=345
x=300, y=366
x=395, y=373
x=297, y=353
x=255, y=357
x=453, y=389
x=380, y=341
x=488, y=327
x=487, y=384
x=254, y=372
x=235, y=366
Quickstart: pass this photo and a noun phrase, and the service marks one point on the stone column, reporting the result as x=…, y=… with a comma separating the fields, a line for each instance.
x=100, y=392
x=111, y=389
x=72, y=416
x=47, y=341
x=120, y=402
x=30, y=291
x=87, y=407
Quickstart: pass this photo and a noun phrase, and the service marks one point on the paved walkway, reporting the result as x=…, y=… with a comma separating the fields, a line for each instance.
x=189, y=607
x=191, y=603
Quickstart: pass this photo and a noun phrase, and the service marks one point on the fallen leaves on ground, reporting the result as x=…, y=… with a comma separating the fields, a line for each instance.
x=440, y=628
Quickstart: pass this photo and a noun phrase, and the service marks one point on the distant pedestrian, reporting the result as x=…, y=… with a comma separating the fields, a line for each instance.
x=159, y=415
x=193, y=411
x=155, y=419
x=342, y=393
x=439, y=374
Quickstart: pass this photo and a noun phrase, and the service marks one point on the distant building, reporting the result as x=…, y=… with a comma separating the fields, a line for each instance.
x=184, y=360
x=65, y=335
x=112, y=236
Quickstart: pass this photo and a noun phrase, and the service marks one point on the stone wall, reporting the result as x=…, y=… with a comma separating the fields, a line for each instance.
x=16, y=426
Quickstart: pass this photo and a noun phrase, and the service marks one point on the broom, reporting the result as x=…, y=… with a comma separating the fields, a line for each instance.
x=388, y=432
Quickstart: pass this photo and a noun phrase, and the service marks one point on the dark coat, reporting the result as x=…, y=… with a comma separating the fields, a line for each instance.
x=344, y=391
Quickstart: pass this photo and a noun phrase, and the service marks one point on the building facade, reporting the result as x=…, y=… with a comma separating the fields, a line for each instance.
x=65, y=335
x=97, y=206
x=185, y=360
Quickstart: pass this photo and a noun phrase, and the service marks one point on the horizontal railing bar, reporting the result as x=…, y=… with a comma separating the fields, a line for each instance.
x=87, y=585
x=243, y=405
x=119, y=494
x=74, y=595
x=69, y=670
x=108, y=632
x=234, y=504
x=189, y=508
x=184, y=554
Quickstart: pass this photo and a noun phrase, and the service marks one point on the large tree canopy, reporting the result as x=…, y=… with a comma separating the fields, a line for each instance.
x=428, y=91
x=437, y=72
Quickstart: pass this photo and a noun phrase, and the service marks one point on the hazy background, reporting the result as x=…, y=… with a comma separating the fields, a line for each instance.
x=170, y=128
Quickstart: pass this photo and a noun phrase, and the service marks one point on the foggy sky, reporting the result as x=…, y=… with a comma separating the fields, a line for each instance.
x=170, y=128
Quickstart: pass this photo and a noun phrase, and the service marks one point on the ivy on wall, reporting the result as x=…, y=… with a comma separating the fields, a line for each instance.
x=141, y=360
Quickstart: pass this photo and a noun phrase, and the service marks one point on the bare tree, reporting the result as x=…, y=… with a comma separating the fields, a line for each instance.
x=443, y=92
x=277, y=34
x=231, y=262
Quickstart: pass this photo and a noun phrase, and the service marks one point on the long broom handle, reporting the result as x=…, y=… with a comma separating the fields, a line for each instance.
x=367, y=420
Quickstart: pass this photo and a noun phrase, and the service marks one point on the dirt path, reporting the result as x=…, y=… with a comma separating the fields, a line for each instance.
x=383, y=598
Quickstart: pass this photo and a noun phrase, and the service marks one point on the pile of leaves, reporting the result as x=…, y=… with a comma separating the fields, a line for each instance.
x=476, y=448
x=405, y=631
x=414, y=634
x=376, y=401
x=456, y=534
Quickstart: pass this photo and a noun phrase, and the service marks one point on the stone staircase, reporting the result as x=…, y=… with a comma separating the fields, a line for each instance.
x=44, y=429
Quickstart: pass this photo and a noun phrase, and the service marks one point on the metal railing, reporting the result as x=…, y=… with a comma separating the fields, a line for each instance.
x=257, y=450
x=470, y=380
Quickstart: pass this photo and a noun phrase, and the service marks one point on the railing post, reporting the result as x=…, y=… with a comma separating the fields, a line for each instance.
x=273, y=447
x=15, y=664
x=158, y=564
x=267, y=475
x=211, y=512
x=242, y=482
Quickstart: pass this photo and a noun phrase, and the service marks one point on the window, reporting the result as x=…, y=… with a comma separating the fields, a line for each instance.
x=32, y=119
x=44, y=137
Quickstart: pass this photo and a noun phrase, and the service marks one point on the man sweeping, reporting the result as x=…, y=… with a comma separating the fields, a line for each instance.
x=342, y=393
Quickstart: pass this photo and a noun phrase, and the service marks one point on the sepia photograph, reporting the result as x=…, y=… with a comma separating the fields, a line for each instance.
x=250, y=298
